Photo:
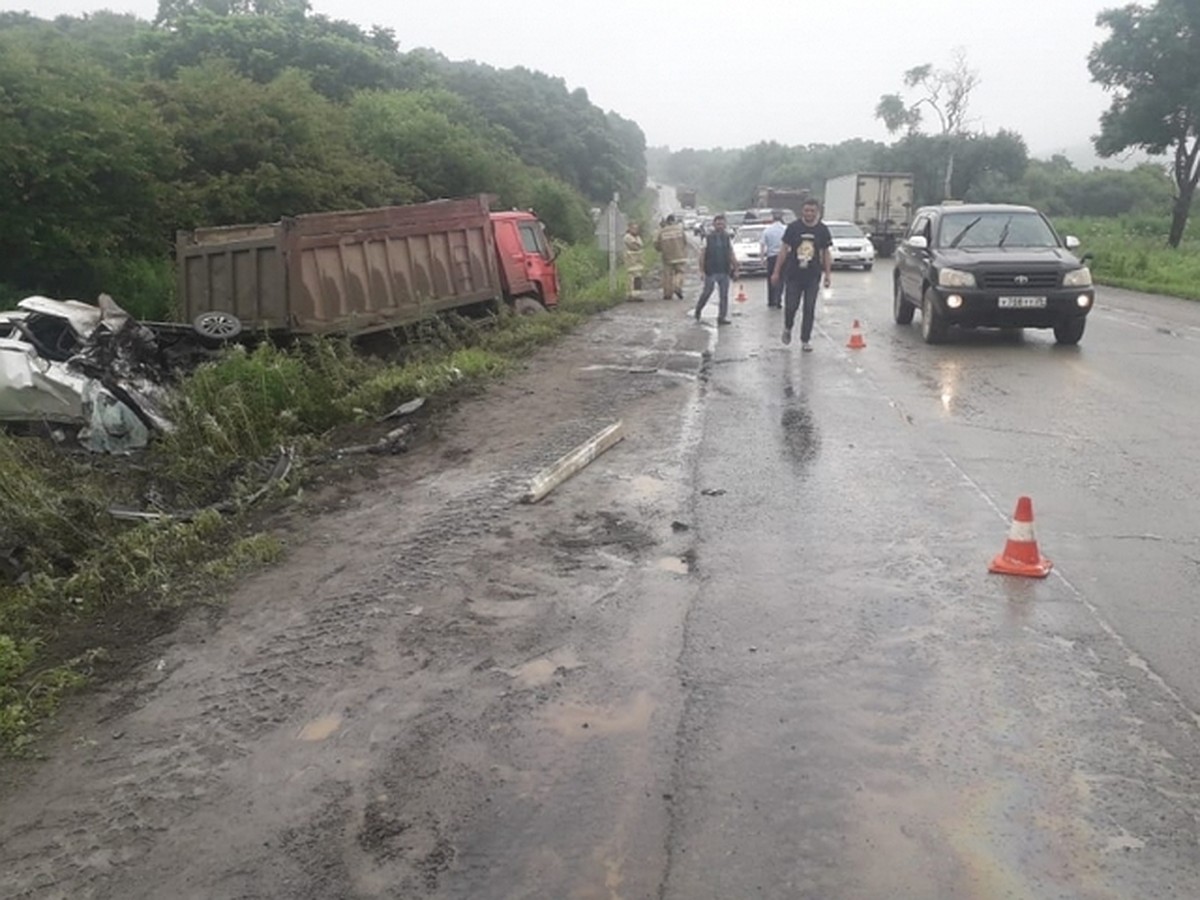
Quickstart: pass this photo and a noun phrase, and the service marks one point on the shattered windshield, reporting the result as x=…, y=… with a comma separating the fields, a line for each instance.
x=996, y=229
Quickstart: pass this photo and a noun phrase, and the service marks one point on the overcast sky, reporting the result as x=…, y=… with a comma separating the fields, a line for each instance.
x=729, y=74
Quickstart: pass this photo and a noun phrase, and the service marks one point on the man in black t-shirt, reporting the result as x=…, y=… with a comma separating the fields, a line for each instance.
x=802, y=261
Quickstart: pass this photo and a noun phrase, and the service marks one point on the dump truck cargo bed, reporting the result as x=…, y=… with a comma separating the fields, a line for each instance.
x=342, y=272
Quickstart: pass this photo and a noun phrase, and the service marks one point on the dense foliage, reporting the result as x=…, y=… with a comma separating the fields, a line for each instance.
x=115, y=133
x=1151, y=64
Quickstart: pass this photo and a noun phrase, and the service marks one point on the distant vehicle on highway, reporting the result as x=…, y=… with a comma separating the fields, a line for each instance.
x=850, y=246
x=747, y=251
x=990, y=265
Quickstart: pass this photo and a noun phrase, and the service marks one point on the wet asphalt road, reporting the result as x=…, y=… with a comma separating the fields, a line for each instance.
x=868, y=712
x=812, y=688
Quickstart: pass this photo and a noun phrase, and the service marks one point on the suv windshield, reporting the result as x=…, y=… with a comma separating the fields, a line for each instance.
x=995, y=229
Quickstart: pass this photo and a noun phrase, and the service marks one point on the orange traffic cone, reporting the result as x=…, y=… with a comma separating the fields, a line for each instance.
x=856, y=341
x=1021, y=556
x=741, y=294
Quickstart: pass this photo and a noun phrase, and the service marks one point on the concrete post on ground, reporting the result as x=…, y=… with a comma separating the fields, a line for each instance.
x=610, y=231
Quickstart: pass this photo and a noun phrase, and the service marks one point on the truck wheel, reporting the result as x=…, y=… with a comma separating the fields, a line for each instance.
x=1070, y=331
x=933, y=327
x=527, y=306
x=217, y=326
x=902, y=310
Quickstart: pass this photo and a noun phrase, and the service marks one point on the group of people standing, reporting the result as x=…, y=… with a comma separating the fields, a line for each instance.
x=798, y=263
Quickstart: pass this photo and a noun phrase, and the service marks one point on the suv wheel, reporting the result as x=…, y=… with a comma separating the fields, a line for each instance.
x=933, y=327
x=1070, y=331
x=902, y=310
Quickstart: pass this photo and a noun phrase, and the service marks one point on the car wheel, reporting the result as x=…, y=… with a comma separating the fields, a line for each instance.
x=1070, y=331
x=217, y=326
x=933, y=327
x=902, y=310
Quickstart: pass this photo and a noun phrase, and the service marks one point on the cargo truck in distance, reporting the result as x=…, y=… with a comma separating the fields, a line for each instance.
x=366, y=270
x=781, y=198
x=880, y=203
x=686, y=197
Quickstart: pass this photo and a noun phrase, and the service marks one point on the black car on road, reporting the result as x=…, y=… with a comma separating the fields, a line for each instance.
x=990, y=265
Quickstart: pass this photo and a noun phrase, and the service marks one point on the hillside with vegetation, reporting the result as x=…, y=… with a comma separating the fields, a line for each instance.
x=117, y=132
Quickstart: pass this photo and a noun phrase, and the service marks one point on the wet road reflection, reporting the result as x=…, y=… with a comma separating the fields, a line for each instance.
x=801, y=437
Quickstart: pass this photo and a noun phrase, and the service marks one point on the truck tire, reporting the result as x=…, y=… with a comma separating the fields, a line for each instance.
x=933, y=326
x=902, y=310
x=526, y=305
x=1070, y=331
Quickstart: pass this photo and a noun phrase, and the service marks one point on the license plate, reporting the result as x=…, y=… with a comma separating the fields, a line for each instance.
x=1022, y=303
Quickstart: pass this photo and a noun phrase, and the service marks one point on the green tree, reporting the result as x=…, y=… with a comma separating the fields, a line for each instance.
x=255, y=152
x=1150, y=62
x=86, y=167
x=944, y=92
x=262, y=38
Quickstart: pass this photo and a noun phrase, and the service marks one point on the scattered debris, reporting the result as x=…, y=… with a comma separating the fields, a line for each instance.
x=642, y=370
x=416, y=611
x=404, y=409
x=279, y=472
x=391, y=443
x=680, y=526
x=551, y=477
x=713, y=492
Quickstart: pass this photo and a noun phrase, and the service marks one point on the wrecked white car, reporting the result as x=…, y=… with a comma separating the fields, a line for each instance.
x=71, y=363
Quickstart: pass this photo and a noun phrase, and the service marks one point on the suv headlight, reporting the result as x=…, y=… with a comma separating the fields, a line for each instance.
x=1078, y=278
x=955, y=278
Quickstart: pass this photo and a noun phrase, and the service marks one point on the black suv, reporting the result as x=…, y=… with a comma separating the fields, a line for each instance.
x=990, y=265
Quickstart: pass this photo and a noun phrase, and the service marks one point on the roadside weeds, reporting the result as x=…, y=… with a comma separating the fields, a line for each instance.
x=80, y=588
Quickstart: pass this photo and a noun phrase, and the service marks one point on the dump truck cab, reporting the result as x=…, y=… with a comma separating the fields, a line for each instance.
x=525, y=257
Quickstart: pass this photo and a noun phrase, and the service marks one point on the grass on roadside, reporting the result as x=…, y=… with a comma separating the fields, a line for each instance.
x=79, y=567
x=1131, y=252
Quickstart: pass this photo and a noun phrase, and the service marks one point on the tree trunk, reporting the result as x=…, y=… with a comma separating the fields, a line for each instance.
x=948, y=183
x=1187, y=174
x=1179, y=215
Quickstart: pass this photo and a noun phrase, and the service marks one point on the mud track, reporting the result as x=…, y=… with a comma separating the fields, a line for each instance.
x=439, y=691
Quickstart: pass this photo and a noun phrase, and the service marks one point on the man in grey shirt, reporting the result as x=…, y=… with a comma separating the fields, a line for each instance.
x=769, y=245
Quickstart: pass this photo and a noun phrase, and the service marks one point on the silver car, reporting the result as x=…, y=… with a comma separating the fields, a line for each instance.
x=747, y=250
x=850, y=246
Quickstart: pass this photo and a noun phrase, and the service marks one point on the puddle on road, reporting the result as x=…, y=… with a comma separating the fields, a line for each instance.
x=676, y=565
x=647, y=487
x=320, y=729
x=586, y=721
x=538, y=672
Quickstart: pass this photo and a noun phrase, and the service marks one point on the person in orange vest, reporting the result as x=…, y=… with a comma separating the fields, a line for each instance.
x=671, y=242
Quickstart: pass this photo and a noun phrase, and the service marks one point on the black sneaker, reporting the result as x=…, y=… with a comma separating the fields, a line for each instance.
x=724, y=322
x=679, y=293
x=696, y=313
x=786, y=337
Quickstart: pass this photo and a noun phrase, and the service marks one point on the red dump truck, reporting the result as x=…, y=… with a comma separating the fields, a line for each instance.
x=366, y=270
